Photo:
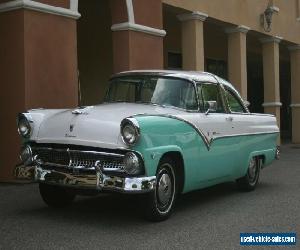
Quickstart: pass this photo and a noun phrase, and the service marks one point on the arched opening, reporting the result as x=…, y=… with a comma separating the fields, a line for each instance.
x=285, y=94
x=255, y=76
x=95, y=59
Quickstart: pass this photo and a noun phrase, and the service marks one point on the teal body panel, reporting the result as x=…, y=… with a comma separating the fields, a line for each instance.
x=224, y=159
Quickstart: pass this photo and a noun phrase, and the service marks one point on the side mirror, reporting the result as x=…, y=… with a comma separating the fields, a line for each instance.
x=247, y=104
x=212, y=107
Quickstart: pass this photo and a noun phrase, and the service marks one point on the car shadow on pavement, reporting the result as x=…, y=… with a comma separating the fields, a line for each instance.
x=107, y=209
x=126, y=210
x=217, y=193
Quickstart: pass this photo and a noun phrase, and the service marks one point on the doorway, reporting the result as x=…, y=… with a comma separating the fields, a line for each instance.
x=95, y=59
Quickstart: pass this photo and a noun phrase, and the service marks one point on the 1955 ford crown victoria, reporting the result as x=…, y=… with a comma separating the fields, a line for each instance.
x=161, y=133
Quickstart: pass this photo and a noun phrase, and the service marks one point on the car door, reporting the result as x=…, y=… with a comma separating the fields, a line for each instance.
x=217, y=163
x=211, y=123
x=241, y=121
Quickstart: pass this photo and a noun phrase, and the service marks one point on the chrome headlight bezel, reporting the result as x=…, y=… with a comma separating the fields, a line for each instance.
x=24, y=121
x=130, y=131
x=133, y=164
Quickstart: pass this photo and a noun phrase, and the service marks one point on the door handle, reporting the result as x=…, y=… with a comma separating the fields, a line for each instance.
x=230, y=118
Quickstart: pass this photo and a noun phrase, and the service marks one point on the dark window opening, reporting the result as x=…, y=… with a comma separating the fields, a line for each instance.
x=217, y=67
x=174, y=60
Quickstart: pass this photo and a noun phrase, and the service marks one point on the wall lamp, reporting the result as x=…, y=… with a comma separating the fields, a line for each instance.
x=266, y=17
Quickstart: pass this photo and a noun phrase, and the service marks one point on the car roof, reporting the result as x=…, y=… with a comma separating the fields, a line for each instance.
x=198, y=76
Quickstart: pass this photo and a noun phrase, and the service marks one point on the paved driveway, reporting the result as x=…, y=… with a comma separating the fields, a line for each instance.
x=208, y=219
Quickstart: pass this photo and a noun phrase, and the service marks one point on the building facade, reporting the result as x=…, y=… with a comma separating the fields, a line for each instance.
x=61, y=53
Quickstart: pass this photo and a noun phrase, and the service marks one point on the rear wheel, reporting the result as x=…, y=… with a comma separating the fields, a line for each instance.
x=161, y=201
x=250, y=180
x=55, y=196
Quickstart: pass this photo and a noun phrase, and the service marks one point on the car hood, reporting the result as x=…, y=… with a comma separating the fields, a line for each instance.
x=97, y=126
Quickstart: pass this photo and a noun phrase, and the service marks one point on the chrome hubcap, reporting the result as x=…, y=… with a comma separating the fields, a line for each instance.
x=164, y=191
x=252, y=169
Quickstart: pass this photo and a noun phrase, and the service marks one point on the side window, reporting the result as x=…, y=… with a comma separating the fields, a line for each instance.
x=233, y=102
x=210, y=92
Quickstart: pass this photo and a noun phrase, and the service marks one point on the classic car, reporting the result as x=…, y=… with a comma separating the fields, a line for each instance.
x=158, y=133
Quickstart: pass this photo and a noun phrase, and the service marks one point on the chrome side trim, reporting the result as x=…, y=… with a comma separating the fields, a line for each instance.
x=257, y=114
x=245, y=134
x=207, y=141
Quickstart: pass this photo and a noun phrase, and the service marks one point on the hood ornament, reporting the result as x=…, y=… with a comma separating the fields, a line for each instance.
x=82, y=110
x=71, y=127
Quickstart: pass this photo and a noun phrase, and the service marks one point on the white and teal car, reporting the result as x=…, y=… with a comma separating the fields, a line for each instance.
x=160, y=133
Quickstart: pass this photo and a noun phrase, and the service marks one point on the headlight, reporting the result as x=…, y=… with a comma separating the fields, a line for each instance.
x=130, y=131
x=133, y=164
x=26, y=155
x=24, y=127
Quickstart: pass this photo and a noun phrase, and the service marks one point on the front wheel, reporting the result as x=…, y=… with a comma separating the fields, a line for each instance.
x=250, y=180
x=160, y=202
x=55, y=196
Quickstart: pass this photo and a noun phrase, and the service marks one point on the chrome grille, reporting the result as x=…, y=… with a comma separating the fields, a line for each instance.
x=59, y=157
x=86, y=160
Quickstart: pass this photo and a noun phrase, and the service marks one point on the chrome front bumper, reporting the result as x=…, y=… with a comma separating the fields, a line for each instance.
x=98, y=181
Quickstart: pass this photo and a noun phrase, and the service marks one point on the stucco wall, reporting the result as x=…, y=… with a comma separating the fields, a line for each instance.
x=50, y=60
x=247, y=12
x=215, y=39
x=143, y=13
x=38, y=69
x=12, y=77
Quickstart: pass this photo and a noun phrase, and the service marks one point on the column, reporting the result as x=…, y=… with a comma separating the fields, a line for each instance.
x=237, y=58
x=272, y=102
x=192, y=40
x=137, y=36
x=38, y=58
x=295, y=92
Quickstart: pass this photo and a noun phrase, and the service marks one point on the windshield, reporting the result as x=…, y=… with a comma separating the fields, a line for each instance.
x=156, y=90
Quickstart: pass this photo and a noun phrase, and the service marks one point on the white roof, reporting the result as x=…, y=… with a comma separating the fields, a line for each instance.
x=200, y=76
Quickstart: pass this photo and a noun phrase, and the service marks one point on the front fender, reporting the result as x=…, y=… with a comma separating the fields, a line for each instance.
x=153, y=155
x=37, y=117
x=160, y=135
